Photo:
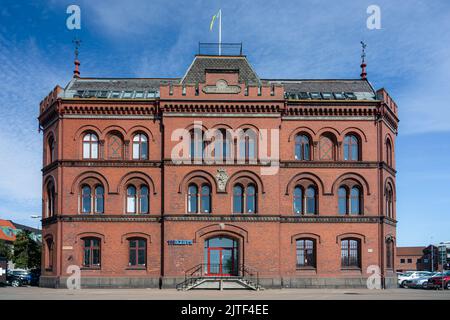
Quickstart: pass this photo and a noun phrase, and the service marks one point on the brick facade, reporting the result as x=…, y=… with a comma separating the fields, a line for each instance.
x=219, y=92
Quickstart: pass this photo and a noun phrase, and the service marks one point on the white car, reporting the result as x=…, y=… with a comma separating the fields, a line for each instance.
x=410, y=275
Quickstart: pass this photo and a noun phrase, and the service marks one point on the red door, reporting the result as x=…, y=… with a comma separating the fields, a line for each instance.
x=221, y=261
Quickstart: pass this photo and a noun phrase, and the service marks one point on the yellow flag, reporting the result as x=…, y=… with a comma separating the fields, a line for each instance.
x=212, y=21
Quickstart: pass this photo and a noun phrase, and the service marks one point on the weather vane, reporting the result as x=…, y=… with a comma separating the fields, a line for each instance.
x=77, y=43
x=76, y=72
x=363, y=54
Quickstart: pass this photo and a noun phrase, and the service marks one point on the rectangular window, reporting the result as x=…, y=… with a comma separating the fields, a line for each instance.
x=91, y=252
x=306, y=253
x=138, y=249
x=402, y=260
x=350, y=253
x=409, y=260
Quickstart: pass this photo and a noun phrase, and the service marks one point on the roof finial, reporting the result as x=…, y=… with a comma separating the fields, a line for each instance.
x=76, y=72
x=363, y=61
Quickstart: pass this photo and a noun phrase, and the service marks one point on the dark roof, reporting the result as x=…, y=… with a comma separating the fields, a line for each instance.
x=197, y=70
x=296, y=86
x=91, y=87
x=410, y=251
x=118, y=84
x=24, y=227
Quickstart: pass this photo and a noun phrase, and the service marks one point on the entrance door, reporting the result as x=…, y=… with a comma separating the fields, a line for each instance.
x=221, y=257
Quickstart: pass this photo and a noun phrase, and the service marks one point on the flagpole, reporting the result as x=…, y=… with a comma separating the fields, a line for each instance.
x=220, y=32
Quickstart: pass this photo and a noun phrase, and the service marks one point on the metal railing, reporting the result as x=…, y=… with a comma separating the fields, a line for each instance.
x=206, y=270
x=226, y=49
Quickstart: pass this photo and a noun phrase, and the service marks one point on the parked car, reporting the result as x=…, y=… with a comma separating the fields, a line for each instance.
x=440, y=281
x=14, y=279
x=35, y=274
x=421, y=282
x=24, y=275
x=401, y=279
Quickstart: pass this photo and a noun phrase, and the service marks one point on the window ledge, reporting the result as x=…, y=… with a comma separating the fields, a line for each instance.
x=351, y=269
x=300, y=268
x=90, y=268
x=136, y=268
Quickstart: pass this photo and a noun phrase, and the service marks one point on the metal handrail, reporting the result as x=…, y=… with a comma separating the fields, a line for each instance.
x=200, y=270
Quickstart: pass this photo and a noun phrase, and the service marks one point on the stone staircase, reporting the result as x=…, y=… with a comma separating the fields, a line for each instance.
x=196, y=279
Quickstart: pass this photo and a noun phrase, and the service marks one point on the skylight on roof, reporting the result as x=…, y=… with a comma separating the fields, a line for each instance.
x=127, y=94
x=339, y=96
x=102, y=94
x=315, y=95
x=139, y=94
x=115, y=94
x=303, y=95
x=327, y=95
x=350, y=95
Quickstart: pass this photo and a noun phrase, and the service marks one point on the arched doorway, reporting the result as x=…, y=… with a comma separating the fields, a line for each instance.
x=221, y=256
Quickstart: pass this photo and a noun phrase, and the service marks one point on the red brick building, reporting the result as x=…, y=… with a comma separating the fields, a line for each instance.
x=410, y=259
x=116, y=204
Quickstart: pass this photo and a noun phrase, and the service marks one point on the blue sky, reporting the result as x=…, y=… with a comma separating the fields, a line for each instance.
x=409, y=56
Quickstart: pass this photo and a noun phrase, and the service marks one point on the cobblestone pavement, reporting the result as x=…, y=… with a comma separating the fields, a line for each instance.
x=35, y=293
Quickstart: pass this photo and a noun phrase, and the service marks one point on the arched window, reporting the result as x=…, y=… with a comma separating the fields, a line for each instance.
x=199, y=201
x=310, y=200
x=298, y=200
x=302, y=147
x=197, y=144
x=247, y=146
x=305, y=198
x=350, y=253
x=251, y=198
x=90, y=146
x=205, y=199
x=222, y=145
x=306, y=253
x=389, y=201
x=51, y=199
x=115, y=146
x=389, y=254
x=355, y=197
x=140, y=147
x=192, y=198
x=51, y=150
x=137, y=199
x=86, y=199
x=389, y=153
x=342, y=195
x=326, y=147
x=143, y=199
x=245, y=198
x=350, y=199
x=131, y=199
x=99, y=199
x=91, y=252
x=238, y=199
x=351, y=148
x=49, y=254
x=137, y=252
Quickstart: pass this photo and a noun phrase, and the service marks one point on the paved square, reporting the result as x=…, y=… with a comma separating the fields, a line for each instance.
x=35, y=293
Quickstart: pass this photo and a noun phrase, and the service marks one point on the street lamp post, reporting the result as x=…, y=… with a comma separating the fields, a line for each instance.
x=36, y=217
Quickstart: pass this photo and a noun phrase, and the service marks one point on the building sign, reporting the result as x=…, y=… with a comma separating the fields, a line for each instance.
x=179, y=242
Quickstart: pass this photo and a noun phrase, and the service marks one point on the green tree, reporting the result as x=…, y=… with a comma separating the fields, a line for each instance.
x=5, y=250
x=27, y=252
